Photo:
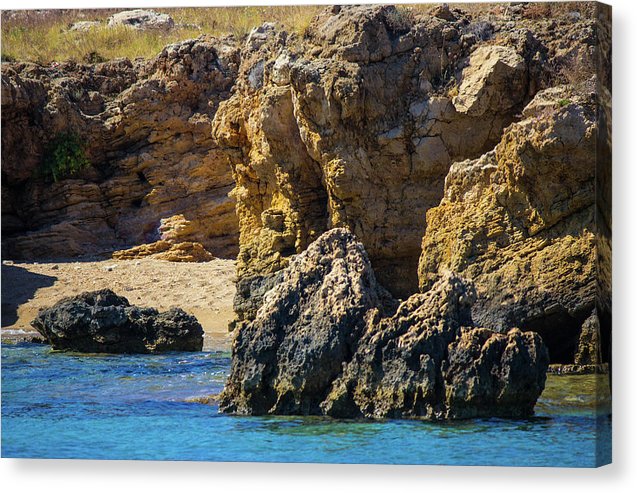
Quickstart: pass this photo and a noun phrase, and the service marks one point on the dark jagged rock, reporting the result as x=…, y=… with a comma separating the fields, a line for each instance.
x=103, y=322
x=286, y=359
x=492, y=374
x=420, y=363
x=396, y=371
x=328, y=339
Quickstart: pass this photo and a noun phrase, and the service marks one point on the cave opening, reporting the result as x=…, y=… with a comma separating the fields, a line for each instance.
x=560, y=331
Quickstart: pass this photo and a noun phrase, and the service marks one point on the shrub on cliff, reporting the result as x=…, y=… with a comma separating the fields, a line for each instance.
x=64, y=157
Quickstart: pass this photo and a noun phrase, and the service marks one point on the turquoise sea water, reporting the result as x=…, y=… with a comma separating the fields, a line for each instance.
x=60, y=405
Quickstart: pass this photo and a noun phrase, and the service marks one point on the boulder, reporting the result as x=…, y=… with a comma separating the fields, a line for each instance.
x=142, y=20
x=285, y=360
x=496, y=78
x=328, y=339
x=103, y=322
x=444, y=12
x=493, y=374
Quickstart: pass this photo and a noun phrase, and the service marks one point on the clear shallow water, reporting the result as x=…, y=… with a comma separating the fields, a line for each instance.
x=60, y=405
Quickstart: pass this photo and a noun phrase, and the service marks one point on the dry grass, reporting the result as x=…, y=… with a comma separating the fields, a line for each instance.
x=43, y=36
x=552, y=10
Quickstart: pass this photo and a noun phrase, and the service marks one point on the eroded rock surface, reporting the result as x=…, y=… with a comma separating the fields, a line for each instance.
x=322, y=138
x=493, y=374
x=388, y=123
x=285, y=360
x=588, y=350
x=358, y=124
x=519, y=223
x=155, y=171
x=495, y=78
x=326, y=340
x=102, y=322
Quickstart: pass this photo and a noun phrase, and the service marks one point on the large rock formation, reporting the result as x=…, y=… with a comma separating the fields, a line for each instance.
x=357, y=126
x=155, y=171
x=325, y=342
x=285, y=361
x=520, y=223
x=102, y=322
x=354, y=127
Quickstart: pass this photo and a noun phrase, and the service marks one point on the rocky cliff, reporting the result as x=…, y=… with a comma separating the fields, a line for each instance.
x=354, y=127
x=448, y=140
x=357, y=125
x=519, y=222
x=155, y=172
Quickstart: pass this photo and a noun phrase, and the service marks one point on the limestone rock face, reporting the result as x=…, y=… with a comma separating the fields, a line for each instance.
x=495, y=78
x=142, y=19
x=328, y=339
x=354, y=127
x=519, y=223
x=155, y=171
x=102, y=322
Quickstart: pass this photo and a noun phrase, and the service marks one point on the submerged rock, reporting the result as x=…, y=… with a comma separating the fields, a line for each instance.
x=103, y=322
x=329, y=340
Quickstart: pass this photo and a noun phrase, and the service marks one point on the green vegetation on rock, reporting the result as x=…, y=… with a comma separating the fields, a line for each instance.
x=65, y=157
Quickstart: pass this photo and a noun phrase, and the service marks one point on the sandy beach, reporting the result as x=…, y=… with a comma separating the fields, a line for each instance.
x=204, y=290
